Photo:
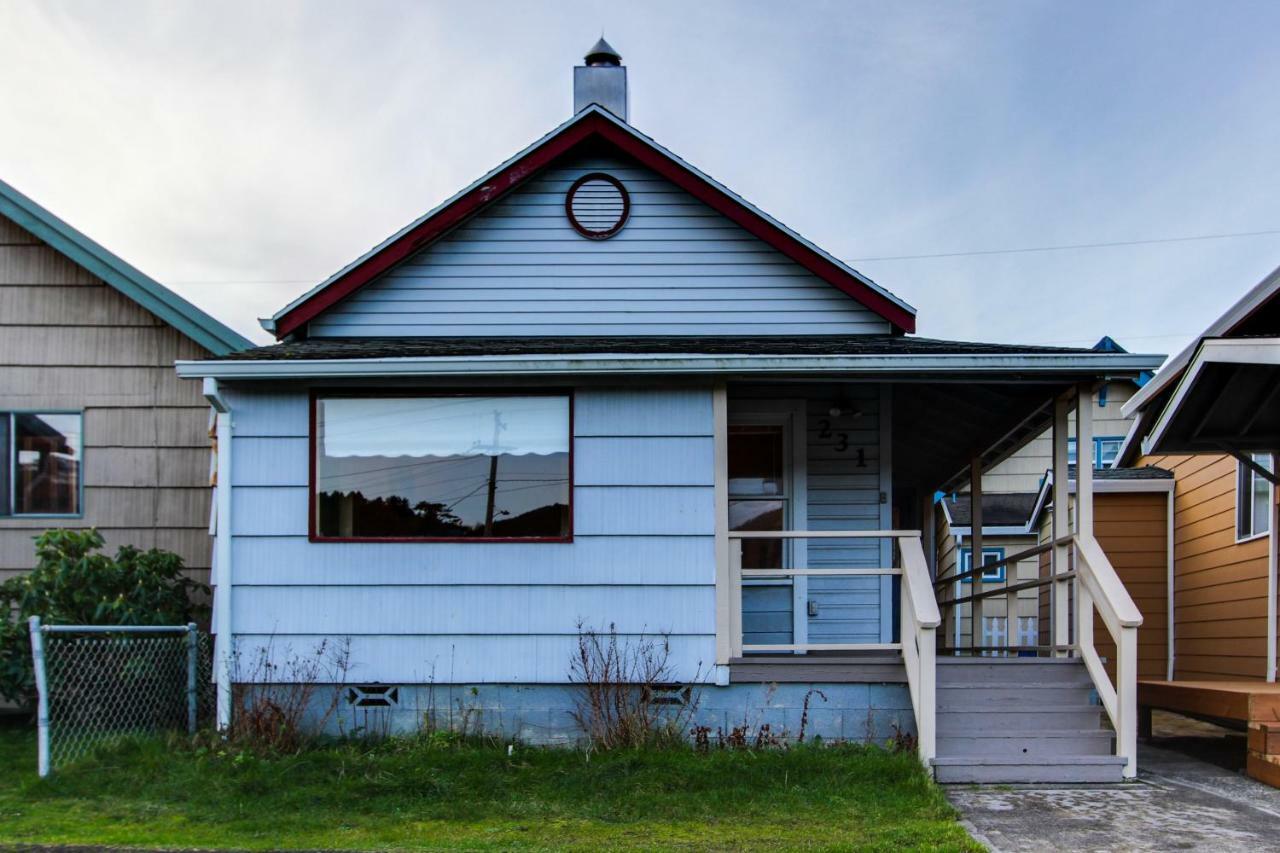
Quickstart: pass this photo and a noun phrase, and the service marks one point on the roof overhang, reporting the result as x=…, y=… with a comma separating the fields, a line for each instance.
x=1227, y=400
x=932, y=368
x=1249, y=304
x=590, y=124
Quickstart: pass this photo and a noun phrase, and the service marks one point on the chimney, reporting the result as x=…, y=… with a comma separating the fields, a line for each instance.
x=602, y=80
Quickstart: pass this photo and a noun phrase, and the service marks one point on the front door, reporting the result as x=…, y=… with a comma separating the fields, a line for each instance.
x=766, y=492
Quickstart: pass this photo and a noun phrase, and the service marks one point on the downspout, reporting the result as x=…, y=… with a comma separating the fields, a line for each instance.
x=1169, y=521
x=222, y=553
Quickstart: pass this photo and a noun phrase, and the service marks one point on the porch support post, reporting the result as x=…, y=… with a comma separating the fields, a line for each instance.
x=1059, y=611
x=724, y=584
x=1084, y=460
x=975, y=550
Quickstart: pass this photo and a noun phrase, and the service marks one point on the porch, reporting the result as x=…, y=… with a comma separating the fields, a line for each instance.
x=827, y=571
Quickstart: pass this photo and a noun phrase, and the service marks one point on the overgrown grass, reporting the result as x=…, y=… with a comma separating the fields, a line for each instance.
x=433, y=793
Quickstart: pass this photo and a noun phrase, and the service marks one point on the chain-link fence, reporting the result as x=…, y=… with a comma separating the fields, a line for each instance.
x=96, y=683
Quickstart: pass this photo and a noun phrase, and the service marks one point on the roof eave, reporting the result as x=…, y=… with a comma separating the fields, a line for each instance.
x=1033, y=367
x=119, y=274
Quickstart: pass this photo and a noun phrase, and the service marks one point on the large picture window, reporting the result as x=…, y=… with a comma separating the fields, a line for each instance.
x=40, y=456
x=404, y=466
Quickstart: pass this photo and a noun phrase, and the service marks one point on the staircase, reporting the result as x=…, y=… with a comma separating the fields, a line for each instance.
x=1010, y=720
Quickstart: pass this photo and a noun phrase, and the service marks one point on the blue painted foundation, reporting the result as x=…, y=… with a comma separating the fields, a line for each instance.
x=543, y=714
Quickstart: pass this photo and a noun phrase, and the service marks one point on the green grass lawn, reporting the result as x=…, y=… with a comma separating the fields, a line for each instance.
x=425, y=794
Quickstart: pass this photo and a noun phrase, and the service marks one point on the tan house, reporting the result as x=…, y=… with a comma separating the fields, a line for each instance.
x=1211, y=416
x=95, y=428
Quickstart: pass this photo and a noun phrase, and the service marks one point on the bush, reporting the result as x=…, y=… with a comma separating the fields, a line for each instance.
x=73, y=583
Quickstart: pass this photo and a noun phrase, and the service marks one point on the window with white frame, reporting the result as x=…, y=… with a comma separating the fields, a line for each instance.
x=1105, y=450
x=1253, y=498
x=40, y=456
x=989, y=555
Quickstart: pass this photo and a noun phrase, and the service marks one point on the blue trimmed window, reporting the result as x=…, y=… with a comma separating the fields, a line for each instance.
x=40, y=455
x=989, y=555
x=1105, y=450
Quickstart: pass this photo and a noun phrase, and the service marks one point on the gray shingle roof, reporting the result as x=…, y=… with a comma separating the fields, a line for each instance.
x=816, y=345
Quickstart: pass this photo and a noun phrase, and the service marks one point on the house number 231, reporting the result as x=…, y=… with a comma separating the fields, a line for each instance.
x=841, y=441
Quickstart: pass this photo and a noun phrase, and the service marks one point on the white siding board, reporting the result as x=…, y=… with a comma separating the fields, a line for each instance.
x=472, y=609
x=667, y=412
x=530, y=273
x=655, y=510
x=643, y=461
x=269, y=510
x=621, y=560
x=270, y=461
x=442, y=660
x=270, y=413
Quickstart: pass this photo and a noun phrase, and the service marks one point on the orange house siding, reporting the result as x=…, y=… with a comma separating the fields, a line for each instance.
x=1220, y=585
x=1133, y=531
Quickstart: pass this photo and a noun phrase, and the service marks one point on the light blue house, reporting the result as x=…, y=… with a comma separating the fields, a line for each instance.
x=598, y=388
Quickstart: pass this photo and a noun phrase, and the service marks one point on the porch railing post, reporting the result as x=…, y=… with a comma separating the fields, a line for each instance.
x=1059, y=608
x=735, y=599
x=975, y=552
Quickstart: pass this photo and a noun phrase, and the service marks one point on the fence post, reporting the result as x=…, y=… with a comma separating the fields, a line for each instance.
x=42, y=696
x=193, y=652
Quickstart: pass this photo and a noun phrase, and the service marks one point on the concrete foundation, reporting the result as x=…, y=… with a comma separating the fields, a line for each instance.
x=543, y=714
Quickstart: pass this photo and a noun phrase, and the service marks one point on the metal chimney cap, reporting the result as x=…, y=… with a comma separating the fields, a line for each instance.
x=602, y=53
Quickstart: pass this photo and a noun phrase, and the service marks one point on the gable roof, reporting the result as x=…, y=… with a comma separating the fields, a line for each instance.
x=128, y=280
x=1259, y=307
x=591, y=123
x=1257, y=299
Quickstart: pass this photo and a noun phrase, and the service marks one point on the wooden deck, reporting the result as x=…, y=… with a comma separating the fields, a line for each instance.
x=1256, y=704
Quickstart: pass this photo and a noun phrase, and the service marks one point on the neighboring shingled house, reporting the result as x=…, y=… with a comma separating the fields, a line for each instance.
x=95, y=429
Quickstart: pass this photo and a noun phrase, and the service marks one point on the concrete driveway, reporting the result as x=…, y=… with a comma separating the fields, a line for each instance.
x=1191, y=795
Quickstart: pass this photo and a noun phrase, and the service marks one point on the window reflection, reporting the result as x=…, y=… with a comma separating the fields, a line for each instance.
x=46, y=464
x=447, y=467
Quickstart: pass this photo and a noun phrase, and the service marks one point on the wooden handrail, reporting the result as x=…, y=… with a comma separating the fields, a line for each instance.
x=824, y=534
x=1112, y=599
x=916, y=584
x=1016, y=558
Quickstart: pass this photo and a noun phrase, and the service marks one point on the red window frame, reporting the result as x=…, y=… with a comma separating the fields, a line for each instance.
x=314, y=535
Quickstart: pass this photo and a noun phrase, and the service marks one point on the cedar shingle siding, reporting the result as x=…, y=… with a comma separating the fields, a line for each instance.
x=69, y=341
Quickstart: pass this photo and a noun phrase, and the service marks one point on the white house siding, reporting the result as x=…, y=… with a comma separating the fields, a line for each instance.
x=520, y=269
x=642, y=558
x=842, y=493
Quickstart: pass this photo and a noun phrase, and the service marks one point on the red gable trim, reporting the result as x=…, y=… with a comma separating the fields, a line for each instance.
x=593, y=125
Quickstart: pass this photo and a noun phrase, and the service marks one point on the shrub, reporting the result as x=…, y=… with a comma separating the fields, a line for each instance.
x=73, y=583
x=285, y=699
x=628, y=695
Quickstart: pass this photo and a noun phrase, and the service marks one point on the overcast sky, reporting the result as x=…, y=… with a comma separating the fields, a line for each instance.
x=242, y=152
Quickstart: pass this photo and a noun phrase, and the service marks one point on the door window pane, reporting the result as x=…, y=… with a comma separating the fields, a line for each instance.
x=756, y=464
x=442, y=467
x=759, y=515
x=46, y=464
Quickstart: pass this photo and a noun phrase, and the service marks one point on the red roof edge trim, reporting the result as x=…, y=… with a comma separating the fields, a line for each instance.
x=524, y=168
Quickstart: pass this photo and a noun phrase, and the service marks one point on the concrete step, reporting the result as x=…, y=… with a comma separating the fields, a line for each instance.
x=1071, y=769
x=1003, y=696
x=1025, y=719
x=1065, y=742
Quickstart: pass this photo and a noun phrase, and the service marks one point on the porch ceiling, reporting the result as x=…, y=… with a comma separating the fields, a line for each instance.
x=939, y=427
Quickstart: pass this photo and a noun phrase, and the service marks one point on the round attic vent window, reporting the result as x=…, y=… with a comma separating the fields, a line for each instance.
x=597, y=206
